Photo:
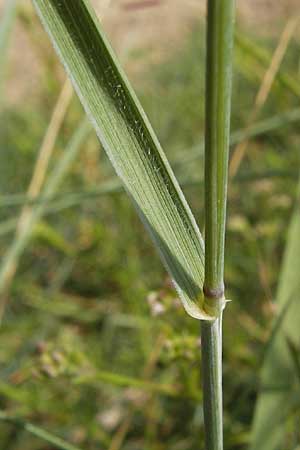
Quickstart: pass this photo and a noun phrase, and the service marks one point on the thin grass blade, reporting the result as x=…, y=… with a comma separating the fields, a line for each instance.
x=21, y=240
x=6, y=27
x=263, y=56
x=274, y=405
x=54, y=441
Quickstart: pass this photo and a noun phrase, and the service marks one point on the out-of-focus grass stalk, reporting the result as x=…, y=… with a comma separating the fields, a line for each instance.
x=44, y=156
x=263, y=56
x=145, y=385
x=49, y=140
x=262, y=127
x=25, y=223
x=123, y=429
x=264, y=90
x=220, y=28
x=279, y=381
x=6, y=26
x=38, y=432
x=11, y=257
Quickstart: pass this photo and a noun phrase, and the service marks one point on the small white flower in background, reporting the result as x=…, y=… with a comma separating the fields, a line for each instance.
x=111, y=418
x=156, y=307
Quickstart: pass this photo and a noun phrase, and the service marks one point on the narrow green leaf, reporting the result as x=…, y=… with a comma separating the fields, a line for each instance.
x=6, y=26
x=262, y=127
x=295, y=355
x=274, y=405
x=264, y=57
x=7, y=20
x=107, y=187
x=129, y=141
x=21, y=240
x=47, y=233
x=37, y=431
x=125, y=381
x=7, y=226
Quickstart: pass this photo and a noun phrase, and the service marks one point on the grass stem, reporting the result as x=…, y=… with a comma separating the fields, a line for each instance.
x=211, y=339
x=220, y=26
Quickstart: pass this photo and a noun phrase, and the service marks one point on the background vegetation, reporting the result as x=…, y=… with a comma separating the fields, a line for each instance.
x=95, y=346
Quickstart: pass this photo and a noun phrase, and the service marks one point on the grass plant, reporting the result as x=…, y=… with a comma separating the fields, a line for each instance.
x=134, y=151
x=97, y=346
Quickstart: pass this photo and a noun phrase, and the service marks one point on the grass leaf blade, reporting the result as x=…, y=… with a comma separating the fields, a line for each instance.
x=20, y=241
x=129, y=141
x=273, y=407
x=6, y=27
x=39, y=432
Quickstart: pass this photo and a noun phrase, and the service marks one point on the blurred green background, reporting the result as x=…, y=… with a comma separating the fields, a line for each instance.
x=94, y=345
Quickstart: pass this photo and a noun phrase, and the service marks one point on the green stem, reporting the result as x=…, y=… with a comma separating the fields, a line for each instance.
x=220, y=27
x=217, y=134
x=211, y=344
